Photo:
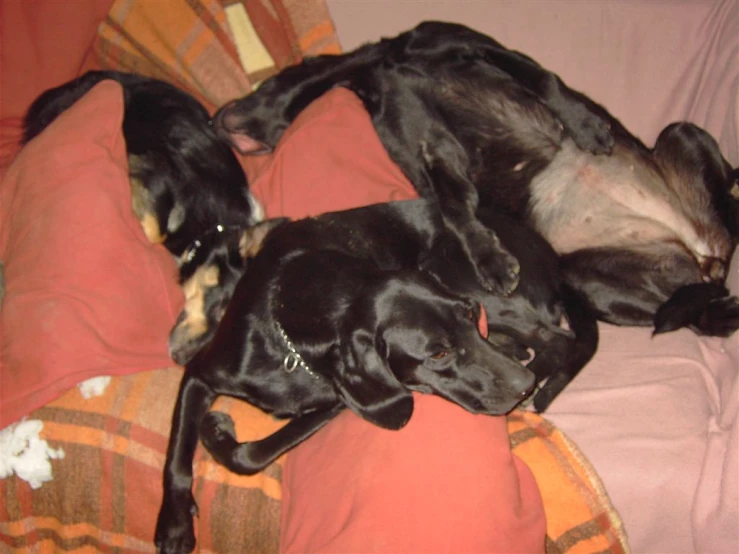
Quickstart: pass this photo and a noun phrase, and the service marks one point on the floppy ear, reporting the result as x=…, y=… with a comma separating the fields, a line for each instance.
x=368, y=386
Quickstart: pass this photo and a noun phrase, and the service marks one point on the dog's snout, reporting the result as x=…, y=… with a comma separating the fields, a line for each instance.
x=523, y=383
x=527, y=392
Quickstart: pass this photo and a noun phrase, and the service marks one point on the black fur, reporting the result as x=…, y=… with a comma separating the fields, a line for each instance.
x=633, y=225
x=378, y=301
x=185, y=179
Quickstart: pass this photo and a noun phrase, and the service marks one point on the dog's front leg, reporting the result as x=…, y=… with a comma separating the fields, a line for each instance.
x=175, y=530
x=247, y=458
x=446, y=180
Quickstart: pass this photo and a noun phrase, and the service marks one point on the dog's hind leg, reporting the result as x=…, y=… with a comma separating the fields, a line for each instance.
x=706, y=308
x=174, y=530
x=631, y=287
x=219, y=437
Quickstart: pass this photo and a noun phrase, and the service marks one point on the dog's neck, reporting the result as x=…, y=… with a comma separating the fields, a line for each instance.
x=293, y=360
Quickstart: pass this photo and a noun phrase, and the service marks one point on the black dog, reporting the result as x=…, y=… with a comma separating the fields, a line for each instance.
x=528, y=320
x=185, y=180
x=188, y=189
x=634, y=226
x=341, y=310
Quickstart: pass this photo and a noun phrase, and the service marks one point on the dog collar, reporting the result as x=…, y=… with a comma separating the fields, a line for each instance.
x=293, y=360
x=193, y=247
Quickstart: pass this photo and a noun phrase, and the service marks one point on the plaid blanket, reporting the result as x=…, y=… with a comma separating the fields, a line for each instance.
x=216, y=49
x=580, y=516
x=106, y=491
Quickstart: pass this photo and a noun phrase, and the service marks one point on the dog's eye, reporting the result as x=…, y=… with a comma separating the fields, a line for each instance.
x=440, y=354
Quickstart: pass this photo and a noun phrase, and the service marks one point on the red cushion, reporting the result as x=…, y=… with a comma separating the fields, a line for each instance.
x=330, y=159
x=448, y=481
x=85, y=292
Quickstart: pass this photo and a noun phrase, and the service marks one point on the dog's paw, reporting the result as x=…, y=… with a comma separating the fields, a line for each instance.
x=497, y=270
x=721, y=317
x=175, y=530
x=590, y=132
x=707, y=308
x=217, y=431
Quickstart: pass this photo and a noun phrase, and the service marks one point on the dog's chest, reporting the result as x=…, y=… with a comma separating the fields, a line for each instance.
x=585, y=201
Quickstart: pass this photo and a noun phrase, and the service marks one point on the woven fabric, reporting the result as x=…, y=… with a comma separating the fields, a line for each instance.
x=579, y=513
x=106, y=491
x=191, y=44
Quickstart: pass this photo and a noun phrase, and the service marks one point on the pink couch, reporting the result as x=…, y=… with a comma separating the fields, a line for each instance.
x=657, y=417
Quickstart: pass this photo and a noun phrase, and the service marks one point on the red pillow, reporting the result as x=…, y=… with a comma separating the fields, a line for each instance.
x=85, y=293
x=448, y=481
x=330, y=159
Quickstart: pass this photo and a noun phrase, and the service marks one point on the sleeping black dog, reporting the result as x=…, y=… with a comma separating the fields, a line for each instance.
x=185, y=180
x=645, y=235
x=355, y=310
x=187, y=187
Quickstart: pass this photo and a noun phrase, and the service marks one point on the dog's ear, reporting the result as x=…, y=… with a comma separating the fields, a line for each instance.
x=197, y=321
x=368, y=386
x=253, y=237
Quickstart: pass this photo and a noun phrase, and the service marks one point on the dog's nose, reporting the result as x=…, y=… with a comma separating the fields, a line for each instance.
x=526, y=393
x=524, y=383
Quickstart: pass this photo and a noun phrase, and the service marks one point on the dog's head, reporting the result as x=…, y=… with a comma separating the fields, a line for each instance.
x=210, y=269
x=410, y=334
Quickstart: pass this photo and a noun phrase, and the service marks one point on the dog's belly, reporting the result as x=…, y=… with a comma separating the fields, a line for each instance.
x=584, y=201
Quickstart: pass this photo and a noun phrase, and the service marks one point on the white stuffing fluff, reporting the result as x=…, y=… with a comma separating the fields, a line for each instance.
x=93, y=387
x=25, y=453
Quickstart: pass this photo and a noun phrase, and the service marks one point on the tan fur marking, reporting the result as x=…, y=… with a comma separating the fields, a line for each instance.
x=151, y=229
x=252, y=238
x=195, y=289
x=143, y=208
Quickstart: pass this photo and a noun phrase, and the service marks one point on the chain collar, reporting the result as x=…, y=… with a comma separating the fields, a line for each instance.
x=293, y=360
x=192, y=248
